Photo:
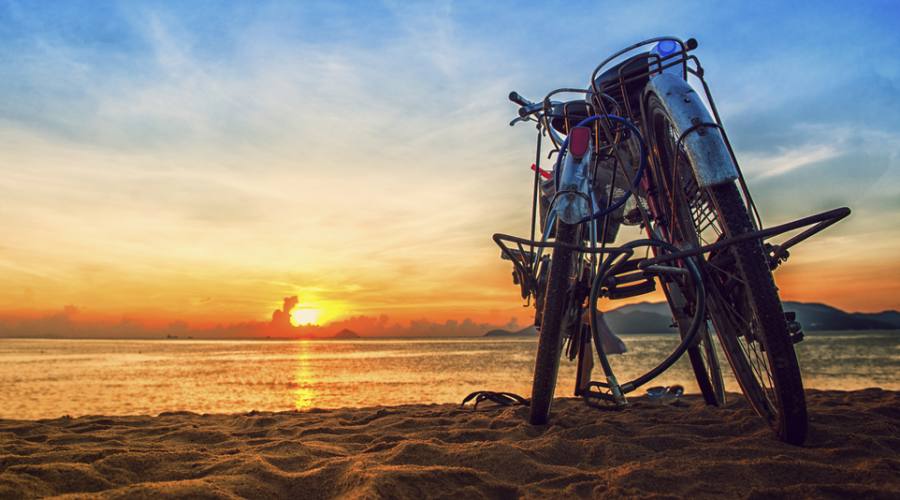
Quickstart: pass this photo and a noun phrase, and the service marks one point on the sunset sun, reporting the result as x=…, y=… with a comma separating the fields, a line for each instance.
x=304, y=316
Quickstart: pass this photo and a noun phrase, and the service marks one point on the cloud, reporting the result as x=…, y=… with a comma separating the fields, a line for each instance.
x=190, y=148
x=281, y=318
x=67, y=324
x=361, y=151
x=784, y=161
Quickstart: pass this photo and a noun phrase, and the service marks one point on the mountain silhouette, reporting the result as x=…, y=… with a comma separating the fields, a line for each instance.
x=345, y=334
x=654, y=317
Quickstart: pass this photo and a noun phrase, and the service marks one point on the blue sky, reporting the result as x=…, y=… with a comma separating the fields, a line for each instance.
x=268, y=144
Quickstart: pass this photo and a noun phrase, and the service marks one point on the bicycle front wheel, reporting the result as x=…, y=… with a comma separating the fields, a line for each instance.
x=742, y=299
x=546, y=365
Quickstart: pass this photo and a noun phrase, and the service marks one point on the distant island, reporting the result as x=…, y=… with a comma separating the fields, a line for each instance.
x=654, y=317
x=528, y=331
x=345, y=334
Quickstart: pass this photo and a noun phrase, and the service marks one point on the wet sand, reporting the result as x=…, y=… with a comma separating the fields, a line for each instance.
x=682, y=450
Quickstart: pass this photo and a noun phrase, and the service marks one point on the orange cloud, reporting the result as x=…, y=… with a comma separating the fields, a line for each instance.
x=67, y=323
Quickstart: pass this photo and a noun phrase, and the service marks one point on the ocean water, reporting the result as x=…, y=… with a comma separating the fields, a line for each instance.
x=51, y=378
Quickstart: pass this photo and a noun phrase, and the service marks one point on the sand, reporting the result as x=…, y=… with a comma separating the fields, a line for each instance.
x=684, y=450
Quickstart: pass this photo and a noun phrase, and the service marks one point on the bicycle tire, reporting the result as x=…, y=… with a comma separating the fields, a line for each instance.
x=788, y=418
x=546, y=365
x=742, y=298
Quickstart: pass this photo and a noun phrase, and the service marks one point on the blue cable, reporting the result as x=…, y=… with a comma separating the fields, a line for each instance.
x=637, y=178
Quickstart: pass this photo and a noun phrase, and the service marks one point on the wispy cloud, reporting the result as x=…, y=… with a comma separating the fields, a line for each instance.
x=167, y=153
x=342, y=160
x=786, y=160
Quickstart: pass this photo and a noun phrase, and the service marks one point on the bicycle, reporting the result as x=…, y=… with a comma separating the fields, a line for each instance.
x=641, y=147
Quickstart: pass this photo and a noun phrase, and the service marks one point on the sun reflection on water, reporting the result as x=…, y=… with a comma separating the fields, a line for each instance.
x=50, y=378
x=304, y=393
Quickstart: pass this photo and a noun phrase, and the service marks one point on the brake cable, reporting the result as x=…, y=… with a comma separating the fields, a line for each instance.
x=634, y=183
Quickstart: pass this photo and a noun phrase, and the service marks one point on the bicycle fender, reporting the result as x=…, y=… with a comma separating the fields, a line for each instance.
x=573, y=201
x=705, y=146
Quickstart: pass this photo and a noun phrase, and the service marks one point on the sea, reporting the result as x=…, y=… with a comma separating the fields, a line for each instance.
x=50, y=378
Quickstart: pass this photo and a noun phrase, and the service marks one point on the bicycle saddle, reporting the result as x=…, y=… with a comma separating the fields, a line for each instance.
x=567, y=115
x=608, y=82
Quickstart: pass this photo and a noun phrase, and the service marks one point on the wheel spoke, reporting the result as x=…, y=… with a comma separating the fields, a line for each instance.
x=742, y=301
x=731, y=276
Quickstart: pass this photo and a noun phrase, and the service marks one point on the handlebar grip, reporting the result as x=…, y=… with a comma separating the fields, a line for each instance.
x=530, y=108
x=516, y=98
x=691, y=43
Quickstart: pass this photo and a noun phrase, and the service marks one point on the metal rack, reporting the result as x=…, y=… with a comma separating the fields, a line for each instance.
x=612, y=266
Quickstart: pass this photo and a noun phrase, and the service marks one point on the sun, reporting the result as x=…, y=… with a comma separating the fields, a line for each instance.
x=316, y=311
x=304, y=316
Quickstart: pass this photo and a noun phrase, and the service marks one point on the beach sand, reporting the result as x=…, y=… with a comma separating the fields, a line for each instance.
x=686, y=449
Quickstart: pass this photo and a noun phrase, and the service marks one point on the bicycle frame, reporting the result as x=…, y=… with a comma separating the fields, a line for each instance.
x=574, y=201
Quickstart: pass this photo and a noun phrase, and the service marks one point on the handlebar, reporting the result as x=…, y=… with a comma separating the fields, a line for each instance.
x=516, y=98
x=524, y=111
x=526, y=107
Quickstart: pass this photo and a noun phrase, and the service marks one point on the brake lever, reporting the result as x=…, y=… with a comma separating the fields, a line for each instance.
x=520, y=119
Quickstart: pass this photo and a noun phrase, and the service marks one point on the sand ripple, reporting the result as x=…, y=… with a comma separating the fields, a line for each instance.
x=442, y=451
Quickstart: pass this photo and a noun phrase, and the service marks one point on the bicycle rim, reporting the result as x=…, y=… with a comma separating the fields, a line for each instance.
x=742, y=300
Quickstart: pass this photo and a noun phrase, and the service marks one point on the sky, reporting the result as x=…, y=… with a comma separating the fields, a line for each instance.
x=196, y=163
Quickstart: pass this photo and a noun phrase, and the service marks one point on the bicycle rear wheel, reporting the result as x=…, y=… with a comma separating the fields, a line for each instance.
x=553, y=318
x=742, y=299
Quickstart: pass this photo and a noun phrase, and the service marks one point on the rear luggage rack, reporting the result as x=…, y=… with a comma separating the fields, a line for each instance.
x=516, y=250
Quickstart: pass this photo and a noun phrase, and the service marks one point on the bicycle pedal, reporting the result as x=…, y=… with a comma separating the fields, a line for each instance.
x=775, y=256
x=601, y=400
x=794, y=328
x=791, y=318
